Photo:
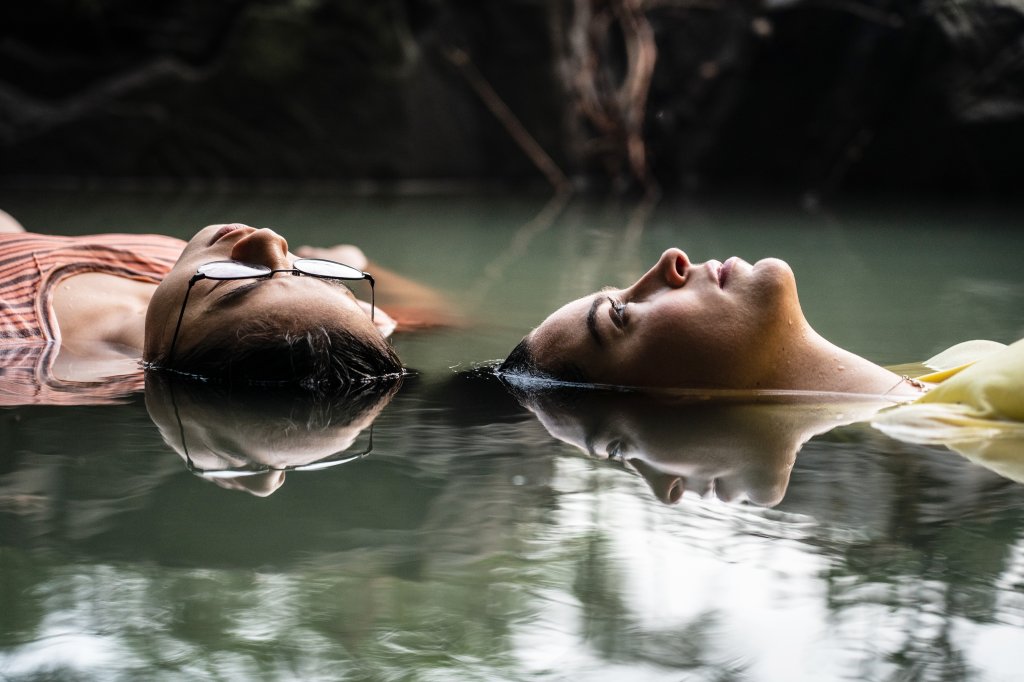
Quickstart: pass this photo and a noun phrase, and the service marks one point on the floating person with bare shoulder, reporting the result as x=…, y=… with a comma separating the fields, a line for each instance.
x=708, y=325
x=735, y=327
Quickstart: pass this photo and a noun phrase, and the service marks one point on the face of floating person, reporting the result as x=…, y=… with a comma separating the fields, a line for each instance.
x=682, y=324
x=217, y=307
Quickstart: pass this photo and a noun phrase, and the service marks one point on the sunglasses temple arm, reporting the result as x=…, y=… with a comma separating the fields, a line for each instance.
x=373, y=295
x=181, y=427
x=181, y=315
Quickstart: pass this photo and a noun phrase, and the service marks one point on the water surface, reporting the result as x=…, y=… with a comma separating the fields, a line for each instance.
x=474, y=544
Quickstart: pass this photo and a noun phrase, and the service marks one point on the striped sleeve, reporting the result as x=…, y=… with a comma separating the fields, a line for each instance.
x=30, y=267
x=32, y=264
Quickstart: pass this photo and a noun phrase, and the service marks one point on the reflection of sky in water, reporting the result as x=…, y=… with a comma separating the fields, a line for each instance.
x=737, y=577
x=748, y=582
x=608, y=585
x=466, y=548
x=56, y=649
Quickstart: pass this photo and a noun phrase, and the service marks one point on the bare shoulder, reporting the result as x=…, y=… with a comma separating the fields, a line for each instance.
x=100, y=313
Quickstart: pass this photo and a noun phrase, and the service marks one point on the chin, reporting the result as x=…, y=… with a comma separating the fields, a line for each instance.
x=775, y=266
x=776, y=277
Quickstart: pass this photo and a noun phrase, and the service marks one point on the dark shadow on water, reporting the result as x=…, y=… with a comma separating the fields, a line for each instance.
x=248, y=438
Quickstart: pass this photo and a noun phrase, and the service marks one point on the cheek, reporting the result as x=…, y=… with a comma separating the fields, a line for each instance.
x=708, y=329
x=708, y=348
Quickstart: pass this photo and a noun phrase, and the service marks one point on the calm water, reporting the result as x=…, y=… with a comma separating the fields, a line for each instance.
x=474, y=544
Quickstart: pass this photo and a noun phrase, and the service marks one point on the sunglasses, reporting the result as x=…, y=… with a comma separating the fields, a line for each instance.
x=255, y=469
x=231, y=269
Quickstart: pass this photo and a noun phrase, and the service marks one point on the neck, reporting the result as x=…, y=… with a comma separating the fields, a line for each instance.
x=823, y=366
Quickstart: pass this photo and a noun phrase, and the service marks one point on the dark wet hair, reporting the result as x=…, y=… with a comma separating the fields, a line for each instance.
x=291, y=409
x=319, y=359
x=522, y=361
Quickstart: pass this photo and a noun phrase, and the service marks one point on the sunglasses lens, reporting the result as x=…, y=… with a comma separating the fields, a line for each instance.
x=326, y=268
x=228, y=269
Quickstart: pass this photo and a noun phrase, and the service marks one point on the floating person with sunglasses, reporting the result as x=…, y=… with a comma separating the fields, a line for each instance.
x=224, y=305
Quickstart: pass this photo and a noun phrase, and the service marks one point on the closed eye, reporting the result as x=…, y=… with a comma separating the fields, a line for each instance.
x=617, y=312
x=591, y=317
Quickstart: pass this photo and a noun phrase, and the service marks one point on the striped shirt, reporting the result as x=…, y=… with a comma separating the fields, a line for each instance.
x=31, y=266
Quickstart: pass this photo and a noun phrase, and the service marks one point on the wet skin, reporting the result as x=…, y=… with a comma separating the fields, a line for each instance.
x=217, y=308
x=681, y=324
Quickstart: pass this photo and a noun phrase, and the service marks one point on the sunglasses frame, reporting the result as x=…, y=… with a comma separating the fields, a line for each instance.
x=264, y=272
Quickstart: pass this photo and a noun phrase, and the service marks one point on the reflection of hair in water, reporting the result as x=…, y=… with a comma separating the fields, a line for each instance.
x=246, y=437
x=475, y=397
x=280, y=412
x=319, y=359
x=545, y=396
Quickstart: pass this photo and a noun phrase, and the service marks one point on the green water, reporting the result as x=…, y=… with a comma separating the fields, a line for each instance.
x=471, y=543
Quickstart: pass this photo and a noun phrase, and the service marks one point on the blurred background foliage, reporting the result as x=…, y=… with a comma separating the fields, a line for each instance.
x=813, y=96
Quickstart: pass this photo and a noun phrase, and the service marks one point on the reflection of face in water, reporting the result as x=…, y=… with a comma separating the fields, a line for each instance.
x=248, y=439
x=737, y=451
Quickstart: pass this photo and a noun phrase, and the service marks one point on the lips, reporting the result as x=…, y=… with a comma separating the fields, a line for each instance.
x=726, y=270
x=714, y=269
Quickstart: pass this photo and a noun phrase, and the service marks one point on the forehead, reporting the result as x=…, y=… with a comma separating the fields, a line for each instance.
x=565, y=332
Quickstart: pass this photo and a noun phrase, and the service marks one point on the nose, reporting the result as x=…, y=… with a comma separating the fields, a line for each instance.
x=670, y=270
x=674, y=492
x=667, y=487
x=262, y=247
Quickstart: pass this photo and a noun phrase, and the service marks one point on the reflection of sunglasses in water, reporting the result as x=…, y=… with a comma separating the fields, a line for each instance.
x=232, y=269
x=253, y=469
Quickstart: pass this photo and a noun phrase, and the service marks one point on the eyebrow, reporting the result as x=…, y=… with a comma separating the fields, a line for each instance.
x=592, y=320
x=229, y=297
